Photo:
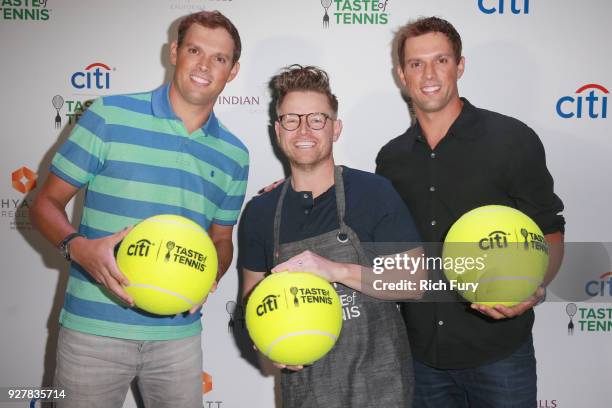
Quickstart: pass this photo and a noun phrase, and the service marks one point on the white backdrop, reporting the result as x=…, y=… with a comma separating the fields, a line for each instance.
x=522, y=58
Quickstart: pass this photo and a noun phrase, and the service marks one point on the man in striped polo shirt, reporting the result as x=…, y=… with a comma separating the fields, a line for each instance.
x=138, y=155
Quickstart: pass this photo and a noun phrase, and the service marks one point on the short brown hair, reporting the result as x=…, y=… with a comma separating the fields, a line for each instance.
x=299, y=78
x=425, y=25
x=211, y=19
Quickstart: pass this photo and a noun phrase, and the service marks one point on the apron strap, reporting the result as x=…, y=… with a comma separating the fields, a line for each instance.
x=340, y=197
x=277, y=219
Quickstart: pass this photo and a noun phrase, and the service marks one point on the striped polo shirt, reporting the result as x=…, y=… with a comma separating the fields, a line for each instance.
x=137, y=160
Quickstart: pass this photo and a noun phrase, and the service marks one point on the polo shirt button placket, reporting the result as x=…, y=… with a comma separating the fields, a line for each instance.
x=183, y=151
x=308, y=203
x=432, y=188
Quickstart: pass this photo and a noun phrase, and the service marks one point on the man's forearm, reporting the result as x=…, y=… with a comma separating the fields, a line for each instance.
x=50, y=219
x=555, y=255
x=225, y=254
x=366, y=281
x=360, y=278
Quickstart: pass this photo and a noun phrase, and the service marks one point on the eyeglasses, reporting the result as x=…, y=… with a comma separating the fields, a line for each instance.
x=314, y=120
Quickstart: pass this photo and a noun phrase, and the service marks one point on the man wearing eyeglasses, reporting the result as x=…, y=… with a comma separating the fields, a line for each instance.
x=318, y=221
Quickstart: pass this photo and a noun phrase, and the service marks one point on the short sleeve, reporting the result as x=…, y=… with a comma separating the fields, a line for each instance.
x=531, y=185
x=395, y=223
x=82, y=156
x=252, y=242
x=229, y=210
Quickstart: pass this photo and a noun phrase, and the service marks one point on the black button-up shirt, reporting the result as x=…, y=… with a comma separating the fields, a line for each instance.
x=485, y=158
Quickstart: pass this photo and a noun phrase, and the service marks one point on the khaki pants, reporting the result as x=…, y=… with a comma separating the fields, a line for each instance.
x=96, y=371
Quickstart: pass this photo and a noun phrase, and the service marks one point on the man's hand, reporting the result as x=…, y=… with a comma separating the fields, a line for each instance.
x=271, y=187
x=288, y=367
x=499, y=312
x=308, y=261
x=97, y=257
x=282, y=366
x=197, y=307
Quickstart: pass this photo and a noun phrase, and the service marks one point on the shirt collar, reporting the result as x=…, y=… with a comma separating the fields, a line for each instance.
x=160, y=101
x=162, y=108
x=462, y=128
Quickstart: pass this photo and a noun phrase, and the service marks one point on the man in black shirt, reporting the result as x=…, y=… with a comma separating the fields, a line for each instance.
x=457, y=157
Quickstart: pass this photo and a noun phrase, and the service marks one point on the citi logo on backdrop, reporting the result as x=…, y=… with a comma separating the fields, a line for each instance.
x=601, y=286
x=504, y=6
x=590, y=101
x=96, y=75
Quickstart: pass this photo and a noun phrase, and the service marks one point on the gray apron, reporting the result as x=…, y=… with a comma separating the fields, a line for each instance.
x=370, y=365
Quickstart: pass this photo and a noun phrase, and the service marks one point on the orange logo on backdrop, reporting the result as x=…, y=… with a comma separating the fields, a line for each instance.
x=24, y=180
x=207, y=383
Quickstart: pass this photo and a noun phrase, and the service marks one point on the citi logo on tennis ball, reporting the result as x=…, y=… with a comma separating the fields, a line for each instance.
x=495, y=239
x=268, y=304
x=140, y=248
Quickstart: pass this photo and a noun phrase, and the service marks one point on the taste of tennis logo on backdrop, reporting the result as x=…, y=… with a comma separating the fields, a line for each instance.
x=355, y=12
x=236, y=316
x=590, y=101
x=24, y=10
x=589, y=320
x=67, y=111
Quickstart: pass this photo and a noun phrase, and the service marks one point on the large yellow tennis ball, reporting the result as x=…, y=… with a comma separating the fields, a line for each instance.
x=500, y=249
x=294, y=318
x=171, y=264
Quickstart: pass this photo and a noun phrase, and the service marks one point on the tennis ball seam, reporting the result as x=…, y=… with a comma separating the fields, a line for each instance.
x=160, y=289
x=298, y=333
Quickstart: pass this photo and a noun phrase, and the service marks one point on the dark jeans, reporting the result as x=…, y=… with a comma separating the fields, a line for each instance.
x=507, y=383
